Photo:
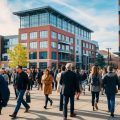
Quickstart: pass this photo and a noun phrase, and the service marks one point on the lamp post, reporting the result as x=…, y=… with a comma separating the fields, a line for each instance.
x=108, y=55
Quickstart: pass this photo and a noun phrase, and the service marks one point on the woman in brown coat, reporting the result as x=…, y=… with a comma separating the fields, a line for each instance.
x=47, y=83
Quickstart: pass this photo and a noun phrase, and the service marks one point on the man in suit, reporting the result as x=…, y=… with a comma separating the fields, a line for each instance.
x=69, y=85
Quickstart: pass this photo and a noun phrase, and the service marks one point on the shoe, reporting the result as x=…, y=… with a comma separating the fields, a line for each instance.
x=112, y=115
x=64, y=118
x=93, y=108
x=45, y=107
x=60, y=109
x=73, y=115
x=96, y=106
x=27, y=109
x=51, y=102
x=13, y=115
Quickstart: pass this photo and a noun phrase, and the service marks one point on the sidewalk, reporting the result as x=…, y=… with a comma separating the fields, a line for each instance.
x=83, y=108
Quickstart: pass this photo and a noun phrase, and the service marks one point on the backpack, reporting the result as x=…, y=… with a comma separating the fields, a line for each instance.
x=95, y=80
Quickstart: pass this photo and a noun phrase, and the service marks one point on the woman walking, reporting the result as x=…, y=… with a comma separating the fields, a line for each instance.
x=47, y=83
x=95, y=81
x=30, y=77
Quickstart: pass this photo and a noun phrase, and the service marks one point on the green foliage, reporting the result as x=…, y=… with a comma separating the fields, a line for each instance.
x=18, y=56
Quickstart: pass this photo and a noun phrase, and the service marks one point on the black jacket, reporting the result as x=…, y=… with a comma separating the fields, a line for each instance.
x=22, y=81
x=69, y=83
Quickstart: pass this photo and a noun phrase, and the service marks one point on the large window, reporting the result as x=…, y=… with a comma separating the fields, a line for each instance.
x=53, y=20
x=24, y=22
x=59, y=23
x=32, y=55
x=54, y=55
x=33, y=65
x=13, y=41
x=44, y=34
x=67, y=48
x=43, y=65
x=53, y=44
x=59, y=36
x=33, y=45
x=43, y=44
x=71, y=40
x=33, y=20
x=73, y=29
x=69, y=27
x=43, y=55
x=33, y=35
x=24, y=36
x=65, y=25
x=54, y=35
x=43, y=19
x=67, y=39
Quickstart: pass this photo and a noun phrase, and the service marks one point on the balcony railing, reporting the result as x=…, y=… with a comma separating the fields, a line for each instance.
x=64, y=51
x=65, y=42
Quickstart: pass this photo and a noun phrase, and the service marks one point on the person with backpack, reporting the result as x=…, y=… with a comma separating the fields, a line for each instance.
x=95, y=82
x=110, y=83
x=4, y=93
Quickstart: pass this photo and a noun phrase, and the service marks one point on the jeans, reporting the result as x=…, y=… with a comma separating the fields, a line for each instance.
x=20, y=100
x=47, y=99
x=95, y=98
x=61, y=102
x=111, y=102
x=65, y=103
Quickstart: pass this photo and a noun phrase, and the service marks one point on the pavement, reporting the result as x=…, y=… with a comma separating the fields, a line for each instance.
x=83, y=108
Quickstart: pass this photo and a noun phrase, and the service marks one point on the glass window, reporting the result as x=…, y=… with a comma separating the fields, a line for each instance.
x=69, y=27
x=24, y=36
x=63, y=38
x=86, y=45
x=43, y=19
x=73, y=29
x=24, y=44
x=33, y=45
x=63, y=47
x=43, y=55
x=64, y=25
x=59, y=36
x=71, y=40
x=33, y=20
x=77, y=42
x=67, y=48
x=43, y=44
x=43, y=65
x=24, y=22
x=67, y=39
x=53, y=44
x=54, y=35
x=54, y=55
x=92, y=46
x=32, y=55
x=32, y=64
x=53, y=20
x=59, y=23
x=33, y=35
x=13, y=41
x=44, y=34
x=59, y=46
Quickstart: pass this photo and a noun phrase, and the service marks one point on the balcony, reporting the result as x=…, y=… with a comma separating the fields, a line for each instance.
x=64, y=51
x=65, y=60
x=64, y=42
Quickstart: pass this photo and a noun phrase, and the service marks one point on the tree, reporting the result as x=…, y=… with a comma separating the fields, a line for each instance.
x=18, y=56
x=100, y=61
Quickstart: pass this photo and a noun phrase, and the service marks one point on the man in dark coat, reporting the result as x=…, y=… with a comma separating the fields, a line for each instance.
x=110, y=82
x=69, y=85
x=4, y=93
x=22, y=84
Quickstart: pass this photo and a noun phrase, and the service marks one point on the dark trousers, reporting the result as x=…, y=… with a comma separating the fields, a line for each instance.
x=65, y=104
x=61, y=102
x=31, y=84
x=15, y=91
x=20, y=100
x=47, y=99
x=95, y=98
x=111, y=102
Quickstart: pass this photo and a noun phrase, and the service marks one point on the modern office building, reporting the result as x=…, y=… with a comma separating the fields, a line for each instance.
x=53, y=38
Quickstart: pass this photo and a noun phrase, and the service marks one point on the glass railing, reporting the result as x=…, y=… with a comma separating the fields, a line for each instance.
x=63, y=41
x=65, y=51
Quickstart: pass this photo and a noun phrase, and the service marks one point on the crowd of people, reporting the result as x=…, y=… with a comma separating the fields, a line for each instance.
x=67, y=81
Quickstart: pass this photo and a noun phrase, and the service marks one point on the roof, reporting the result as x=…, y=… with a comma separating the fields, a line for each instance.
x=53, y=11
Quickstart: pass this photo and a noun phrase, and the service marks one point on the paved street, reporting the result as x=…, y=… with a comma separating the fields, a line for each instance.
x=82, y=107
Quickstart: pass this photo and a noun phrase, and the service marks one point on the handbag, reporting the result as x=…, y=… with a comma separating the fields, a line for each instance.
x=28, y=97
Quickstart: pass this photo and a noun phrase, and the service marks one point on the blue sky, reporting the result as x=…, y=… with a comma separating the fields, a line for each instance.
x=99, y=15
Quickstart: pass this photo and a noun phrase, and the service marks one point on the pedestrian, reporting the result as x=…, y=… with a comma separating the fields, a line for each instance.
x=104, y=72
x=55, y=81
x=47, y=83
x=5, y=75
x=22, y=85
x=69, y=85
x=14, y=76
x=95, y=82
x=4, y=93
x=110, y=82
x=79, y=80
x=30, y=77
x=59, y=87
